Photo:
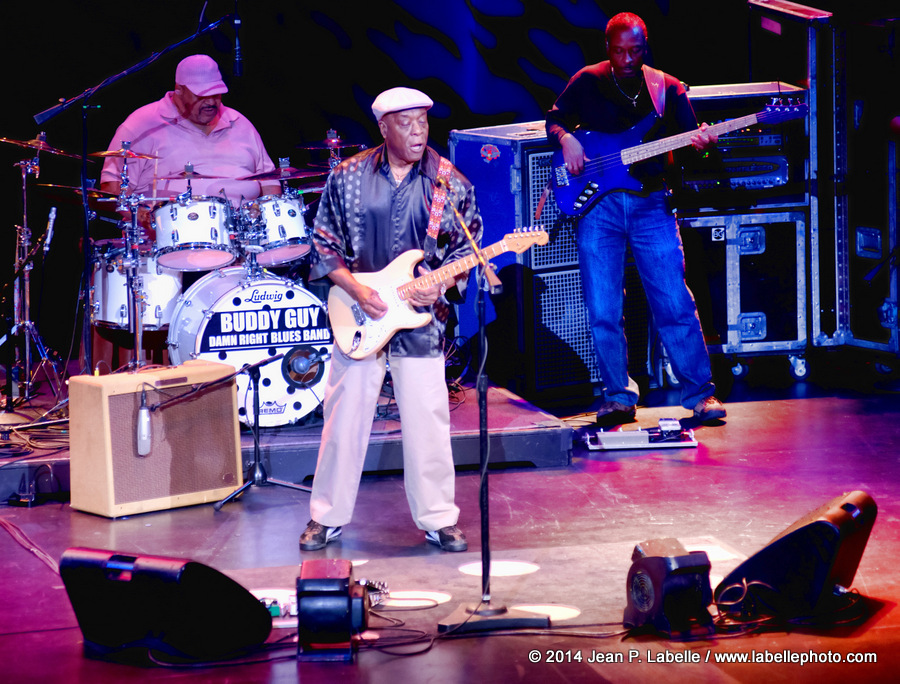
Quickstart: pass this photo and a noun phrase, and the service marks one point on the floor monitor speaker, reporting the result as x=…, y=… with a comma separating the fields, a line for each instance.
x=134, y=608
x=803, y=571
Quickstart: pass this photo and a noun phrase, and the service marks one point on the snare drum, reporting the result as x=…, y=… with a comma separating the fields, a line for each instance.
x=110, y=294
x=284, y=237
x=194, y=235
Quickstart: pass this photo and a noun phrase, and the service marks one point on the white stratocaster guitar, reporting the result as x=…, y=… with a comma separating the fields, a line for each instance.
x=358, y=336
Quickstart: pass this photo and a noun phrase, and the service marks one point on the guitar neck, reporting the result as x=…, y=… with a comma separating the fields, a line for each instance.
x=452, y=269
x=657, y=147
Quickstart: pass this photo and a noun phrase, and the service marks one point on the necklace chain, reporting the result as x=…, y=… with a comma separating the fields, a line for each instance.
x=631, y=99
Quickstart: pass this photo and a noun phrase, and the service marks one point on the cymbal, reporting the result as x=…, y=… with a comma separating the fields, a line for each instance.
x=189, y=175
x=99, y=200
x=40, y=146
x=328, y=144
x=287, y=173
x=309, y=187
x=92, y=192
x=122, y=152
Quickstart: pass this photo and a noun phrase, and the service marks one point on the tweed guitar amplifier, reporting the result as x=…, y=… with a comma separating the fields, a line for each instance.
x=194, y=453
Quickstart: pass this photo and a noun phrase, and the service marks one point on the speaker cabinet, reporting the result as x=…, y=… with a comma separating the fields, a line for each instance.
x=194, y=455
x=803, y=570
x=128, y=605
x=538, y=330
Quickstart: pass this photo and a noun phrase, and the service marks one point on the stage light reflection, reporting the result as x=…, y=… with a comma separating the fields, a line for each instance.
x=556, y=613
x=414, y=599
x=501, y=568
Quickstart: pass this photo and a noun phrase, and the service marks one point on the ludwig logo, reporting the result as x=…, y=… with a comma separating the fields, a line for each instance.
x=490, y=152
x=258, y=297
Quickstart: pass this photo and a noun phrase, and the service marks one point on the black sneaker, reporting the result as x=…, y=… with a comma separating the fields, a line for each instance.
x=613, y=413
x=448, y=538
x=316, y=536
x=709, y=409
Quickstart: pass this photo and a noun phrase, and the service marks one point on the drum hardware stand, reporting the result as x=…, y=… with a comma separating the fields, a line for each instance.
x=20, y=321
x=131, y=263
x=258, y=475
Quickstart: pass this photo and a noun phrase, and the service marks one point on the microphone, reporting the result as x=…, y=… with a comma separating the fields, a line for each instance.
x=143, y=426
x=302, y=364
x=50, y=220
x=238, y=57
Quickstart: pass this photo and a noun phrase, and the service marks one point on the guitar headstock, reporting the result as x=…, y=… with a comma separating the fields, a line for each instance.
x=525, y=237
x=780, y=109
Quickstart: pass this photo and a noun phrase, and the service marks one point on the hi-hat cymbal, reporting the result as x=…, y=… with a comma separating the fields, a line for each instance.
x=125, y=154
x=287, y=173
x=189, y=175
x=40, y=146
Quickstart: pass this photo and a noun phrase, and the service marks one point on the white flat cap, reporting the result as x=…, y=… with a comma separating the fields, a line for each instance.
x=398, y=99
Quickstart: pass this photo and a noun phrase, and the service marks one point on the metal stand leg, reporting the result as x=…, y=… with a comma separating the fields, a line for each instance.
x=257, y=475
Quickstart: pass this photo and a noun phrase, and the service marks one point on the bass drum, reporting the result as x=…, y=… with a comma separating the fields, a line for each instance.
x=229, y=317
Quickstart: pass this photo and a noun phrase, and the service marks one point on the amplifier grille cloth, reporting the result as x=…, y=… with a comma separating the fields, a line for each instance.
x=191, y=449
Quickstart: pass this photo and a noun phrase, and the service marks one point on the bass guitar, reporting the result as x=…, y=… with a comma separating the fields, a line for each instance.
x=358, y=335
x=610, y=156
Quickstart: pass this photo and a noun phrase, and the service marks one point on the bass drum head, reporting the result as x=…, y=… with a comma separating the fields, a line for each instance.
x=228, y=317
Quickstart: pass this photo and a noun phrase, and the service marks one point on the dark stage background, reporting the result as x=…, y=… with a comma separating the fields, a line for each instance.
x=308, y=67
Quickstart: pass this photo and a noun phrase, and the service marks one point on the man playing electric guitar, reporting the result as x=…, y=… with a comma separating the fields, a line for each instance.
x=376, y=206
x=614, y=97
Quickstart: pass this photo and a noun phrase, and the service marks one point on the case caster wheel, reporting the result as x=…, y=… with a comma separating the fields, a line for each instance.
x=883, y=369
x=740, y=370
x=799, y=369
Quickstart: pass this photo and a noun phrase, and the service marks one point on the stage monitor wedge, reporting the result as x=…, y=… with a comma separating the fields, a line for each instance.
x=194, y=447
x=802, y=571
x=129, y=605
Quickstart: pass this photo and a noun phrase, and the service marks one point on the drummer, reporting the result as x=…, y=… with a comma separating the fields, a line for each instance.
x=190, y=125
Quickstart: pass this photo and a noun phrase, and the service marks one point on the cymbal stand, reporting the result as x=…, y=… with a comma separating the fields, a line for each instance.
x=22, y=293
x=131, y=263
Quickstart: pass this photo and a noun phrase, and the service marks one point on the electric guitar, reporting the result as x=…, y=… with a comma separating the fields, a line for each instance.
x=358, y=335
x=609, y=156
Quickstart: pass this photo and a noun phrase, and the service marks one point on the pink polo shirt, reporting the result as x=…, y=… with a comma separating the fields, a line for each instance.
x=232, y=150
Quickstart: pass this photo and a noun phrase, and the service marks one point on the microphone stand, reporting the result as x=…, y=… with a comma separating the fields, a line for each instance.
x=485, y=615
x=65, y=104
x=258, y=475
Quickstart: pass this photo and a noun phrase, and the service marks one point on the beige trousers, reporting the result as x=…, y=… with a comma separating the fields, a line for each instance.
x=351, y=395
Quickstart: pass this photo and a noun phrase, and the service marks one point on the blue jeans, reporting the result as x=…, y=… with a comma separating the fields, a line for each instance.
x=652, y=231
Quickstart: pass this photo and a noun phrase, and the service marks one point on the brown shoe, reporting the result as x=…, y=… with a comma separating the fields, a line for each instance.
x=709, y=409
x=316, y=536
x=448, y=538
x=613, y=413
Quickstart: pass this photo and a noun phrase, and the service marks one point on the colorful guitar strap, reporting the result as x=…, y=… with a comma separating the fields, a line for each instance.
x=437, y=208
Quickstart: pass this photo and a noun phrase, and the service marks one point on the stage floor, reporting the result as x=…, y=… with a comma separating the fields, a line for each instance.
x=783, y=451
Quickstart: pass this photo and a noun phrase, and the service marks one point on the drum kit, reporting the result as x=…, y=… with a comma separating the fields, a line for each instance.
x=238, y=312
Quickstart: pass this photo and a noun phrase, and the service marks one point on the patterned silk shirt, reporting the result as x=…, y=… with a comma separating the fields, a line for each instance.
x=365, y=220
